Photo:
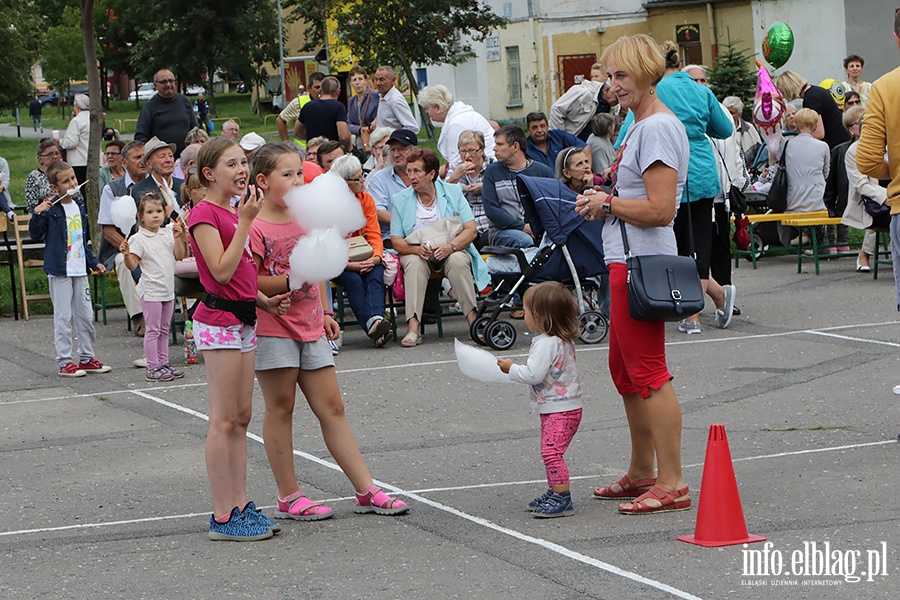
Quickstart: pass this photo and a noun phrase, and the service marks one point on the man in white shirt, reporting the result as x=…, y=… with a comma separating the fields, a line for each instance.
x=393, y=111
x=78, y=133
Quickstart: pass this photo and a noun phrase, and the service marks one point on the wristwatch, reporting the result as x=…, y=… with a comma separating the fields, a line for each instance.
x=607, y=205
x=453, y=246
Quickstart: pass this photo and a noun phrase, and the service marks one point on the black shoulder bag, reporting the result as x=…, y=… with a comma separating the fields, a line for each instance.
x=662, y=287
x=777, y=198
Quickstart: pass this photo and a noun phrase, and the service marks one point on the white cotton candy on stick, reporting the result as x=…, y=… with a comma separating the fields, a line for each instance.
x=326, y=203
x=124, y=213
x=478, y=364
x=318, y=256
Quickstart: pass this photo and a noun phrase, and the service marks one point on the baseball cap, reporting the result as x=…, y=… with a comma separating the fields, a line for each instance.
x=404, y=136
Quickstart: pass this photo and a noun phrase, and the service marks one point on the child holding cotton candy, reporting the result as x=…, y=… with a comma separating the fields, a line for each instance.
x=292, y=348
x=554, y=387
x=156, y=248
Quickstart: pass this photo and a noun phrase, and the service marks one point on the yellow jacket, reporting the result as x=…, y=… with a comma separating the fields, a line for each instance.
x=880, y=131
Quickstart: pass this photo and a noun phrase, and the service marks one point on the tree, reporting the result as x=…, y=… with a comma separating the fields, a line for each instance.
x=424, y=32
x=197, y=39
x=89, y=44
x=732, y=76
x=63, y=52
x=21, y=41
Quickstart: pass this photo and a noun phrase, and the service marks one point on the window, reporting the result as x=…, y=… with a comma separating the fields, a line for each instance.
x=514, y=76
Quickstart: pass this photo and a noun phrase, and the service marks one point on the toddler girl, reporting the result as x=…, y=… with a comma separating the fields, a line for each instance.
x=293, y=350
x=156, y=248
x=555, y=391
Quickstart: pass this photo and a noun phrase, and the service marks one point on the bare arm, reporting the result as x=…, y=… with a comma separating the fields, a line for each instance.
x=111, y=235
x=343, y=134
x=384, y=216
x=299, y=130
x=223, y=262
x=656, y=210
x=281, y=125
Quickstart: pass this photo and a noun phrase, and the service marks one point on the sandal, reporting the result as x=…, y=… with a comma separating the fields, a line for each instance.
x=411, y=339
x=299, y=507
x=675, y=501
x=376, y=501
x=628, y=488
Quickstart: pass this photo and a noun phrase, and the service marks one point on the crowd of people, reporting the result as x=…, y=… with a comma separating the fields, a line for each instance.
x=643, y=143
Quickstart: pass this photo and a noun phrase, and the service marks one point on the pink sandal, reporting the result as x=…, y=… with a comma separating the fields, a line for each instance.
x=299, y=507
x=376, y=501
x=629, y=489
x=677, y=500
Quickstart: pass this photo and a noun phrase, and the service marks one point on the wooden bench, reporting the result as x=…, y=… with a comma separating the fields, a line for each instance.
x=770, y=217
x=804, y=222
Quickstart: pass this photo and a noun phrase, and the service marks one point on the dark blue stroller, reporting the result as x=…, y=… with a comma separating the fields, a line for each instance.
x=572, y=254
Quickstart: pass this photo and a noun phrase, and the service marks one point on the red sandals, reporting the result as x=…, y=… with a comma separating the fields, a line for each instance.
x=629, y=489
x=677, y=500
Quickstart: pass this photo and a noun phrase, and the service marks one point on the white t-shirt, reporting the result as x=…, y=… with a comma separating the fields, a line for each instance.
x=659, y=137
x=427, y=216
x=157, y=254
x=76, y=264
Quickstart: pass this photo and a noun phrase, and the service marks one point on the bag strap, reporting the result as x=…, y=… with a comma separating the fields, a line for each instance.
x=365, y=110
x=783, y=157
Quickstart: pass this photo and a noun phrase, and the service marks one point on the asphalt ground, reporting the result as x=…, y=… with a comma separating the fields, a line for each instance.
x=104, y=490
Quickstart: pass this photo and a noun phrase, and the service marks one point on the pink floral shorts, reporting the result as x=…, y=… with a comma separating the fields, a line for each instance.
x=233, y=337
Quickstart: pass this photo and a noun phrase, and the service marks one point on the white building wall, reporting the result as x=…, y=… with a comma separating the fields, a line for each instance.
x=820, y=41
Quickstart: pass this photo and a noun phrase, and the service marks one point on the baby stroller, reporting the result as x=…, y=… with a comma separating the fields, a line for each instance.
x=572, y=253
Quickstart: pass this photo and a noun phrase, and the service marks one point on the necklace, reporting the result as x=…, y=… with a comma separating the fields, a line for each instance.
x=644, y=112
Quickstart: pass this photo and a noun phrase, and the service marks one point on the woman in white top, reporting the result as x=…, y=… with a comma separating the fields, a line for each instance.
x=456, y=117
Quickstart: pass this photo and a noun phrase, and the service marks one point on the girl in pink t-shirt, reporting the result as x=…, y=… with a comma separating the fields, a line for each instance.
x=225, y=330
x=293, y=350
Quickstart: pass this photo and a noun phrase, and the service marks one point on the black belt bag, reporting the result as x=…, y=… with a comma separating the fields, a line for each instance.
x=662, y=287
x=244, y=311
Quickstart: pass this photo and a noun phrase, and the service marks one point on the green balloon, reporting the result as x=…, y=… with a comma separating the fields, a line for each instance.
x=778, y=44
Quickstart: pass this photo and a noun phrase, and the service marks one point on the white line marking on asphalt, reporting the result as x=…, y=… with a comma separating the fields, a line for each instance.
x=818, y=331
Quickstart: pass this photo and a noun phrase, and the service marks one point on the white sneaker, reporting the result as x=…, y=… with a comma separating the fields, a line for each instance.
x=897, y=389
x=689, y=327
x=140, y=363
x=724, y=314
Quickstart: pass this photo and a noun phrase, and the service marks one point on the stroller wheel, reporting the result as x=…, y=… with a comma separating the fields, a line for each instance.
x=478, y=330
x=594, y=327
x=500, y=335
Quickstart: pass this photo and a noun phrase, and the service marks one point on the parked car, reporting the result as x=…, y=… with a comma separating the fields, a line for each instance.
x=53, y=98
x=145, y=91
x=193, y=90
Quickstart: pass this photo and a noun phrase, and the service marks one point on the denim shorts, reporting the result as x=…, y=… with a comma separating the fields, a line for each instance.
x=285, y=353
x=233, y=337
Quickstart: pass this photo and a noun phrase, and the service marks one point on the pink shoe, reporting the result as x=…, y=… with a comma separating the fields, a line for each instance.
x=376, y=501
x=842, y=249
x=299, y=507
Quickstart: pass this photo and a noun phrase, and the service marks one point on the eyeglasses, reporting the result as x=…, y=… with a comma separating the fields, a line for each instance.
x=469, y=150
x=165, y=81
x=360, y=179
x=49, y=154
x=112, y=153
x=853, y=102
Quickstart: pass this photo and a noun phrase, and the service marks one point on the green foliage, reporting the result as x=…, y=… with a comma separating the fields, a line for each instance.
x=401, y=32
x=734, y=73
x=20, y=49
x=63, y=50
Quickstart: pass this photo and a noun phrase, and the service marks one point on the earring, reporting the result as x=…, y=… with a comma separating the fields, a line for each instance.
x=652, y=91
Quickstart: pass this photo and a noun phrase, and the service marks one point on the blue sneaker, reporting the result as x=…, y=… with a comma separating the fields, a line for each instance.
x=557, y=505
x=254, y=513
x=540, y=500
x=239, y=528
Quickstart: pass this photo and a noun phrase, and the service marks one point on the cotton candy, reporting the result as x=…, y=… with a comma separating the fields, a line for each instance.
x=478, y=364
x=320, y=255
x=326, y=203
x=124, y=213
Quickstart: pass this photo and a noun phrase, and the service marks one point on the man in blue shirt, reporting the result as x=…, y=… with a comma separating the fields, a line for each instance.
x=499, y=193
x=544, y=144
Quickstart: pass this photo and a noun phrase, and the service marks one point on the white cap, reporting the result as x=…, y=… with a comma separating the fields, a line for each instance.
x=252, y=141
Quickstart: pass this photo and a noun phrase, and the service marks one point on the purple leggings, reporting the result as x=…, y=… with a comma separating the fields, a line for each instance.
x=157, y=319
x=557, y=431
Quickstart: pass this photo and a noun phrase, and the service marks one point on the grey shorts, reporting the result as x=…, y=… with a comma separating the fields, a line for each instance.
x=284, y=353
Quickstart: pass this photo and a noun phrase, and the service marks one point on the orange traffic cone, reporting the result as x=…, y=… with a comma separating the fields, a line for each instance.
x=720, y=518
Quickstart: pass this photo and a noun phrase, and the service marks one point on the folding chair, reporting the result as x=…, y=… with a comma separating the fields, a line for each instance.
x=20, y=228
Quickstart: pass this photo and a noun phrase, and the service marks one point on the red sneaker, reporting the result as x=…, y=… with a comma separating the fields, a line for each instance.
x=94, y=366
x=71, y=370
